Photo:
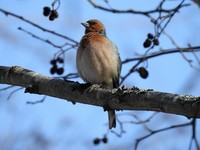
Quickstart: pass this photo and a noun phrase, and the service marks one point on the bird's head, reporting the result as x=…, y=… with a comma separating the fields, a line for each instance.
x=94, y=26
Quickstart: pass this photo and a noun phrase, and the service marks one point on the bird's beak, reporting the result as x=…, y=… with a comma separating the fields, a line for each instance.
x=86, y=25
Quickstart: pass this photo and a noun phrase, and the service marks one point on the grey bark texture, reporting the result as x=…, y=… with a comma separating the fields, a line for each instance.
x=117, y=99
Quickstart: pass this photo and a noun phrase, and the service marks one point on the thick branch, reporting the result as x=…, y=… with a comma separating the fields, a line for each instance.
x=118, y=99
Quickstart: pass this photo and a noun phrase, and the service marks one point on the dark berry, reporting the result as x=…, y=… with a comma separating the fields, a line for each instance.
x=150, y=36
x=60, y=71
x=53, y=69
x=156, y=42
x=53, y=62
x=60, y=60
x=147, y=43
x=54, y=13
x=96, y=141
x=46, y=11
x=51, y=17
x=105, y=140
x=143, y=72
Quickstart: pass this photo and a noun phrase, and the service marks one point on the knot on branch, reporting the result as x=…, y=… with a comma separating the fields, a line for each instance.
x=32, y=89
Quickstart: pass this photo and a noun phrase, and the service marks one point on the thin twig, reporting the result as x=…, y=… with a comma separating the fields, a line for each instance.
x=146, y=13
x=194, y=137
x=163, y=52
x=13, y=92
x=38, y=101
x=39, y=38
x=6, y=88
x=130, y=72
x=37, y=26
x=157, y=131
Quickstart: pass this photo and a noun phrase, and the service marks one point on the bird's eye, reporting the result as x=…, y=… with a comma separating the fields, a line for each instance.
x=92, y=23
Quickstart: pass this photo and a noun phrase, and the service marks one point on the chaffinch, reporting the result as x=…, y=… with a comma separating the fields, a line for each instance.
x=98, y=60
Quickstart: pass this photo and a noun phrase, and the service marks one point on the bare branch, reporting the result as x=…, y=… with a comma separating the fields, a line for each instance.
x=38, y=101
x=147, y=56
x=117, y=99
x=39, y=38
x=132, y=11
x=6, y=88
x=194, y=137
x=13, y=92
x=163, y=52
x=158, y=131
x=37, y=26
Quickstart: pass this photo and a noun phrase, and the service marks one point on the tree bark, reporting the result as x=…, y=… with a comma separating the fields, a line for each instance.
x=117, y=99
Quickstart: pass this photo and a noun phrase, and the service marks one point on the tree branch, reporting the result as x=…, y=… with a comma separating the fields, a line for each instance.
x=7, y=13
x=132, y=11
x=163, y=52
x=118, y=99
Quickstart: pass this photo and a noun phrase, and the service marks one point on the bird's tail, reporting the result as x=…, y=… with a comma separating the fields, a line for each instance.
x=112, y=119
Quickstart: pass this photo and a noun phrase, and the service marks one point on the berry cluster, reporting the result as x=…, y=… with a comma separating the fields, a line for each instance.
x=55, y=69
x=143, y=72
x=150, y=39
x=53, y=14
x=98, y=140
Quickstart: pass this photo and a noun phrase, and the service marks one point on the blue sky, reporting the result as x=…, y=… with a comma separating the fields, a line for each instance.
x=64, y=125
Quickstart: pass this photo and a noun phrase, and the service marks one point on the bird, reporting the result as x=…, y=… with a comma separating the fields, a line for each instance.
x=98, y=60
